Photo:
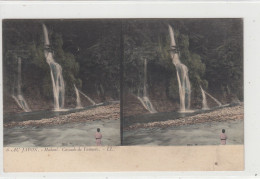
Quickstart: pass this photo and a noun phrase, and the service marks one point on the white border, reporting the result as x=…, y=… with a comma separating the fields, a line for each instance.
x=249, y=11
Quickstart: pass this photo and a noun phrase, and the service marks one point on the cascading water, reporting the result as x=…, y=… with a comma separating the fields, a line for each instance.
x=204, y=100
x=90, y=100
x=145, y=99
x=182, y=75
x=19, y=98
x=56, y=74
x=219, y=103
x=77, y=97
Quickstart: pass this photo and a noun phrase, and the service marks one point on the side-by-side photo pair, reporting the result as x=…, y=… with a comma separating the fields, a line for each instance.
x=123, y=82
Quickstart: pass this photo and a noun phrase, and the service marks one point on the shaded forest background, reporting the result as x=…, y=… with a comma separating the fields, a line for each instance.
x=89, y=53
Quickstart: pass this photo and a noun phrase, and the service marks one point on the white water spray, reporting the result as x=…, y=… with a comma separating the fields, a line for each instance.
x=145, y=99
x=204, y=100
x=90, y=100
x=219, y=103
x=77, y=97
x=56, y=74
x=19, y=99
x=182, y=75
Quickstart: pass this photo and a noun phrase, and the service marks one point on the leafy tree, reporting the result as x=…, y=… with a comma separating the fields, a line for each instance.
x=88, y=51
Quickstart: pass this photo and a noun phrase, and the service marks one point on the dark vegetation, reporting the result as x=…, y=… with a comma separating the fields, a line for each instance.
x=89, y=53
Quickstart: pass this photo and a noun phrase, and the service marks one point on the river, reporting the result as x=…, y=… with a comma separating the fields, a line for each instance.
x=196, y=134
x=67, y=135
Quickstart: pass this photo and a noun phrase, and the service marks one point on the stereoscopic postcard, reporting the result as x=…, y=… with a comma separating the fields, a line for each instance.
x=122, y=93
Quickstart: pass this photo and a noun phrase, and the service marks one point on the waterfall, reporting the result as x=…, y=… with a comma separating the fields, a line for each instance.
x=145, y=78
x=182, y=75
x=19, y=81
x=93, y=102
x=204, y=99
x=147, y=104
x=19, y=99
x=77, y=97
x=145, y=99
x=58, y=85
x=219, y=103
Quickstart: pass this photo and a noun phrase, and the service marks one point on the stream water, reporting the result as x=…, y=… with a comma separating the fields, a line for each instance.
x=38, y=115
x=67, y=135
x=164, y=116
x=196, y=134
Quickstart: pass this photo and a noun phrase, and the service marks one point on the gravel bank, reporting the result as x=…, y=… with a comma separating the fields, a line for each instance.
x=224, y=114
x=108, y=112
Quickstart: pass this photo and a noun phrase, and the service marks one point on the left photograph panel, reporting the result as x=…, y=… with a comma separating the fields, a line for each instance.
x=61, y=83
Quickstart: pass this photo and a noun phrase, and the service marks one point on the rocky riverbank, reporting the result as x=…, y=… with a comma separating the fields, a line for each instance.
x=224, y=114
x=108, y=112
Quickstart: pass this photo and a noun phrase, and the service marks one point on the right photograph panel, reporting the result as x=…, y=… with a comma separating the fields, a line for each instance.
x=182, y=82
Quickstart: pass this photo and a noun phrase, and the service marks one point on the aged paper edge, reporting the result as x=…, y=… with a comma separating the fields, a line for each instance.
x=122, y=158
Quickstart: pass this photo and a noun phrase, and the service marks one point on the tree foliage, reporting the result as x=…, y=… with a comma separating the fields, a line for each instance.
x=89, y=53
